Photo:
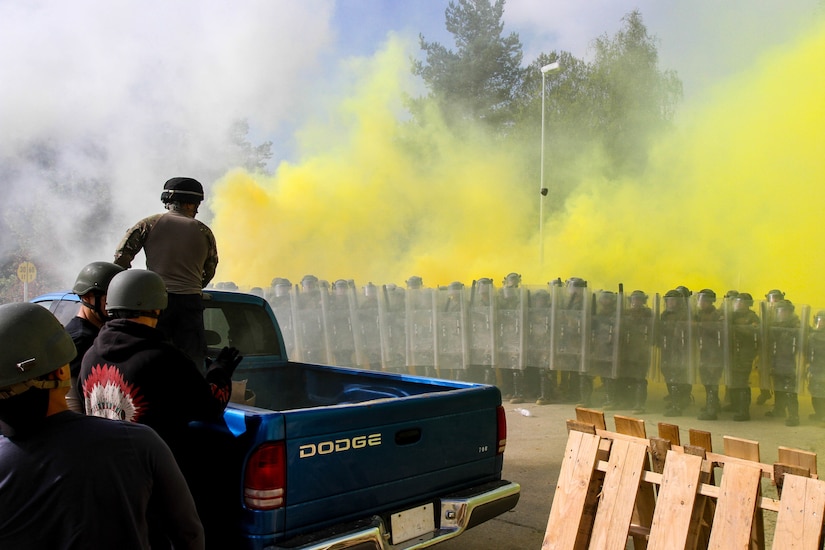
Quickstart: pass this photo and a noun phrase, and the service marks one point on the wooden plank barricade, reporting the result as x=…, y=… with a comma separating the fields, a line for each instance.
x=618, y=486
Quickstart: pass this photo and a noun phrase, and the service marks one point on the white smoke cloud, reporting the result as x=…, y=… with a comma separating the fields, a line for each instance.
x=132, y=93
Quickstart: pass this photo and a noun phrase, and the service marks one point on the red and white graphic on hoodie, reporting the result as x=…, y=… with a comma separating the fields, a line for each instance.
x=108, y=395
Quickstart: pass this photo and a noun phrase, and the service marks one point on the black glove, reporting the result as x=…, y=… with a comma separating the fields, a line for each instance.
x=228, y=359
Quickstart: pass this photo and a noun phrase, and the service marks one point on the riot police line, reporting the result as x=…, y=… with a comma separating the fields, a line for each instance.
x=550, y=343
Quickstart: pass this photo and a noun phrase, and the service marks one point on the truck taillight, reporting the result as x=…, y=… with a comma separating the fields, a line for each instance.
x=265, y=479
x=501, y=430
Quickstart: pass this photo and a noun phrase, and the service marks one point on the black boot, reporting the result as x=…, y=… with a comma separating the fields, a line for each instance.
x=779, y=404
x=819, y=409
x=764, y=397
x=741, y=398
x=610, y=385
x=585, y=390
x=639, y=396
x=675, y=407
x=712, y=404
x=793, y=410
x=518, y=387
x=547, y=387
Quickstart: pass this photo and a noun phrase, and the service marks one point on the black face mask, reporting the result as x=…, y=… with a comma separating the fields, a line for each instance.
x=23, y=414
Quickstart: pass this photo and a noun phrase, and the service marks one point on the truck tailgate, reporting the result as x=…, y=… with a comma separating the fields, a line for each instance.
x=353, y=460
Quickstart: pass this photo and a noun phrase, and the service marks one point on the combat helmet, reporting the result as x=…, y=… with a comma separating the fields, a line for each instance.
x=34, y=344
x=184, y=190
x=136, y=290
x=95, y=277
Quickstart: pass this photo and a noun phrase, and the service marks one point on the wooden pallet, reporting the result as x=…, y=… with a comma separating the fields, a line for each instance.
x=620, y=485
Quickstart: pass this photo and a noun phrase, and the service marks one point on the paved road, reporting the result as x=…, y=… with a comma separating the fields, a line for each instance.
x=535, y=445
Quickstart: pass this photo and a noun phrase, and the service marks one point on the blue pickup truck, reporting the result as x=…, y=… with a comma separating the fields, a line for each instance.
x=324, y=457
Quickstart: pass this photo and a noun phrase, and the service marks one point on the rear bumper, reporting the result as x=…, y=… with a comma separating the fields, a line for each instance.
x=456, y=514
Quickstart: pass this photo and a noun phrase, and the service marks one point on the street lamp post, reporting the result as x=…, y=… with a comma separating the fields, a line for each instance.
x=552, y=67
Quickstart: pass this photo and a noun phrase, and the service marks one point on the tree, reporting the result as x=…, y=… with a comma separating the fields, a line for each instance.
x=601, y=116
x=479, y=80
x=633, y=100
x=252, y=158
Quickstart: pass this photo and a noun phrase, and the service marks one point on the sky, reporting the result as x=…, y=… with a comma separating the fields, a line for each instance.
x=132, y=93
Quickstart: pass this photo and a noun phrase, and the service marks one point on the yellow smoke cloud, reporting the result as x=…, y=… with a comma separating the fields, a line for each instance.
x=732, y=199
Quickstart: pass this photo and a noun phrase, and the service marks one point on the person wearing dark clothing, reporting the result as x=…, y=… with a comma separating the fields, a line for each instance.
x=91, y=286
x=745, y=327
x=710, y=341
x=674, y=342
x=73, y=481
x=816, y=367
x=133, y=373
x=785, y=343
x=183, y=251
x=637, y=338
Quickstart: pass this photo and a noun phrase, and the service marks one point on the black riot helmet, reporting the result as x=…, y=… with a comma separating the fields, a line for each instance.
x=745, y=297
x=707, y=294
x=136, y=292
x=638, y=296
x=183, y=190
x=95, y=277
x=34, y=344
x=414, y=282
x=775, y=295
x=512, y=280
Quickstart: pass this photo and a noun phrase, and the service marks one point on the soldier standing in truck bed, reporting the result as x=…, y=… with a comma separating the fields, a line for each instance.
x=183, y=251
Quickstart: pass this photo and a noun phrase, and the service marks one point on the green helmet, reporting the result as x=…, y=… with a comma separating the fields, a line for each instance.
x=34, y=344
x=136, y=290
x=96, y=276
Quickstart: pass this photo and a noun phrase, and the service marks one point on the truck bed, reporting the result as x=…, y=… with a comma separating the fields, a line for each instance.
x=393, y=436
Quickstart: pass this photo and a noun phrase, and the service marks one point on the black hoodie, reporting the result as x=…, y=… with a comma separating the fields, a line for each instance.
x=133, y=373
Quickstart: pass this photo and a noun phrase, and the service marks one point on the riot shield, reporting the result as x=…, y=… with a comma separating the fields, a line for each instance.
x=744, y=329
x=451, y=330
x=783, y=352
x=481, y=325
x=603, y=338
x=510, y=318
x=391, y=317
x=816, y=364
x=367, y=328
x=283, y=308
x=570, y=330
x=339, y=312
x=711, y=339
x=311, y=336
x=637, y=337
x=420, y=326
x=676, y=341
x=538, y=328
